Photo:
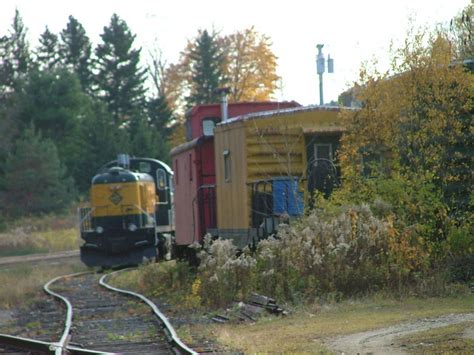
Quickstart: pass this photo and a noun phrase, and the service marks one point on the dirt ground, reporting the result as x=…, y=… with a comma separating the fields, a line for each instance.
x=39, y=257
x=382, y=341
x=5, y=317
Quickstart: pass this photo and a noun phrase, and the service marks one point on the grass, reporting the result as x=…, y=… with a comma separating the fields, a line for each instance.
x=40, y=235
x=445, y=340
x=21, y=282
x=170, y=280
x=306, y=328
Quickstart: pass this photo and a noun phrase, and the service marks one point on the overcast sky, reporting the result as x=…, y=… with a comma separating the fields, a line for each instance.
x=352, y=31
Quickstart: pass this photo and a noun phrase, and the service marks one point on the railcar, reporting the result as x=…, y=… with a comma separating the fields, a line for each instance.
x=130, y=216
x=194, y=168
x=269, y=165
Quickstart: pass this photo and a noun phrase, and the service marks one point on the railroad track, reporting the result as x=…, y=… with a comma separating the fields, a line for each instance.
x=97, y=318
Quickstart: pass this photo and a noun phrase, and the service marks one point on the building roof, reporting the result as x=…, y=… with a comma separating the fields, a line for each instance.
x=281, y=112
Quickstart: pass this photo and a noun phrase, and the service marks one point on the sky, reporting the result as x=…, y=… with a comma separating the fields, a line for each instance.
x=352, y=31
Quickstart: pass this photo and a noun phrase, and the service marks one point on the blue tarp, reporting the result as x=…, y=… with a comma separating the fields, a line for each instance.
x=286, y=197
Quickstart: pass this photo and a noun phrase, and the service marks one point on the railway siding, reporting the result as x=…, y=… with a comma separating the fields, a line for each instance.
x=95, y=318
x=107, y=321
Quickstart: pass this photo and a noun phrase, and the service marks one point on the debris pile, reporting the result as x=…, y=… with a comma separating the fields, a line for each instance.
x=250, y=310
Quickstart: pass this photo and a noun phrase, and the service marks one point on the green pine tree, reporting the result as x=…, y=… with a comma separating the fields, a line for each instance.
x=47, y=55
x=35, y=181
x=54, y=102
x=120, y=78
x=148, y=143
x=76, y=52
x=100, y=141
x=206, y=65
x=15, y=55
x=160, y=115
x=9, y=128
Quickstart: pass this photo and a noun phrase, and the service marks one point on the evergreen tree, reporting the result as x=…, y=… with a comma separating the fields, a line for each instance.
x=120, y=79
x=47, y=54
x=206, y=69
x=76, y=52
x=9, y=128
x=148, y=143
x=100, y=141
x=20, y=46
x=34, y=180
x=15, y=54
x=54, y=102
x=6, y=66
x=160, y=115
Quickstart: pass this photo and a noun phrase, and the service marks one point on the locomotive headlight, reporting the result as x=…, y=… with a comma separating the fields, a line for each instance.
x=99, y=230
x=132, y=227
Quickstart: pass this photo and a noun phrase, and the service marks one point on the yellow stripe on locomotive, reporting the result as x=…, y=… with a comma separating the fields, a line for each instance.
x=123, y=198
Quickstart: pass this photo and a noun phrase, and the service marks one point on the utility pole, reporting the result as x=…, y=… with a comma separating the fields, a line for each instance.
x=321, y=68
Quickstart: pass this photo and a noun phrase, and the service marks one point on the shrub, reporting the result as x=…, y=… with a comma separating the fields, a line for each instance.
x=224, y=274
x=349, y=254
x=462, y=268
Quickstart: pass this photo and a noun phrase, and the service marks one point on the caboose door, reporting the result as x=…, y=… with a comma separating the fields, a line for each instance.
x=323, y=173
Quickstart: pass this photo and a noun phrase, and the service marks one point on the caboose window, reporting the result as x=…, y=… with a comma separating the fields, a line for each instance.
x=227, y=165
x=208, y=125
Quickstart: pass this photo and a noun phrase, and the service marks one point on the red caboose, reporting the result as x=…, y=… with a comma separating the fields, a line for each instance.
x=194, y=169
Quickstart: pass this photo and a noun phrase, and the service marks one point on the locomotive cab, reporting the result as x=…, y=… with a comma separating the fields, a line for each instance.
x=119, y=228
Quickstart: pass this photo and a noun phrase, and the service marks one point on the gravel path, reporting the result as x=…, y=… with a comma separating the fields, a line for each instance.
x=381, y=341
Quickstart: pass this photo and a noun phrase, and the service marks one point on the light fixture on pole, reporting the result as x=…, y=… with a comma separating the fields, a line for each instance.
x=321, y=68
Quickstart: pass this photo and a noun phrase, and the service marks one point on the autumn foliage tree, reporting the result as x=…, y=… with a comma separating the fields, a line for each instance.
x=243, y=61
x=250, y=66
x=411, y=143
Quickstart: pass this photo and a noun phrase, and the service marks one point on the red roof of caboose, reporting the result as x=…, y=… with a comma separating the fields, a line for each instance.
x=197, y=114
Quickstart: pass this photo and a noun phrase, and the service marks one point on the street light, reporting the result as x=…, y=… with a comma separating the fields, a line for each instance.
x=321, y=68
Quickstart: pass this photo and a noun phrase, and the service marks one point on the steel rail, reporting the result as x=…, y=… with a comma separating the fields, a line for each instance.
x=61, y=346
x=74, y=350
x=25, y=343
x=43, y=346
x=169, y=330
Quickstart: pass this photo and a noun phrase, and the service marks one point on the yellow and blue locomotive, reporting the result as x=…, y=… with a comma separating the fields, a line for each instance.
x=130, y=215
